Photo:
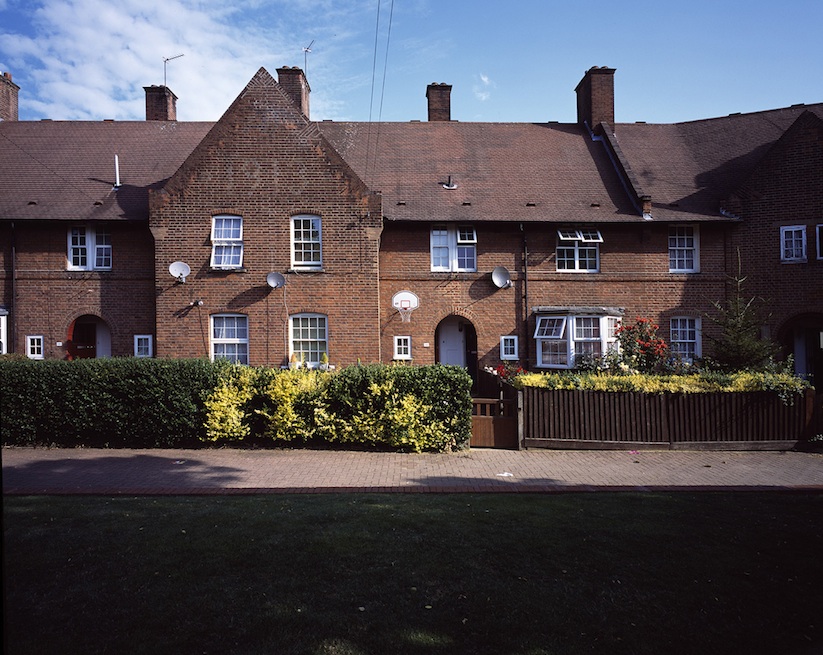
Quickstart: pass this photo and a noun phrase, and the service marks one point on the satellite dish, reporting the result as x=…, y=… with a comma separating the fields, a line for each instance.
x=275, y=280
x=501, y=277
x=179, y=270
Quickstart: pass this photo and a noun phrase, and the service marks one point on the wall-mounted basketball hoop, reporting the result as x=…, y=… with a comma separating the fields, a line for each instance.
x=405, y=302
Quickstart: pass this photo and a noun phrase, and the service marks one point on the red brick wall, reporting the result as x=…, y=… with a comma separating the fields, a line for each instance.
x=786, y=189
x=633, y=275
x=264, y=162
x=49, y=297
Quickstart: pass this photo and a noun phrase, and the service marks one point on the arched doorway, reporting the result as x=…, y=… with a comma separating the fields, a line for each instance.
x=456, y=341
x=89, y=337
x=803, y=337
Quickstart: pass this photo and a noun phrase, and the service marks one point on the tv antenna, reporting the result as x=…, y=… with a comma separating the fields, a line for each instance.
x=306, y=52
x=166, y=60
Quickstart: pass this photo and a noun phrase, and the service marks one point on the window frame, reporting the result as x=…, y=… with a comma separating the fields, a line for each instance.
x=150, y=344
x=220, y=261
x=696, y=327
x=402, y=347
x=509, y=342
x=579, y=242
x=315, y=263
x=819, y=230
x=309, y=362
x=676, y=248
x=564, y=349
x=241, y=355
x=35, y=346
x=459, y=241
x=96, y=244
x=784, y=231
x=4, y=331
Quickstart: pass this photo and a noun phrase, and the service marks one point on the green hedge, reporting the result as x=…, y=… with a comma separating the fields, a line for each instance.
x=146, y=403
x=116, y=403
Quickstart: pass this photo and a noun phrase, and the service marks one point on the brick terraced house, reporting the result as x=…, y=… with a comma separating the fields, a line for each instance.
x=268, y=237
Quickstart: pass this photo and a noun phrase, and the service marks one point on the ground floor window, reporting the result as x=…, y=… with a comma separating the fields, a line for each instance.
x=567, y=341
x=684, y=338
x=402, y=347
x=508, y=348
x=4, y=331
x=309, y=339
x=143, y=345
x=230, y=337
x=34, y=347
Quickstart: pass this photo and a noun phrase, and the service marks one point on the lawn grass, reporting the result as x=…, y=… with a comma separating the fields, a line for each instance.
x=412, y=574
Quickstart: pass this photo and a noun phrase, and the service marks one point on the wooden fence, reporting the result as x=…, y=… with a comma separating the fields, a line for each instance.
x=596, y=419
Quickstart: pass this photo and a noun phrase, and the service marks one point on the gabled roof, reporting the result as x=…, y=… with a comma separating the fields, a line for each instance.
x=64, y=170
x=690, y=169
x=502, y=171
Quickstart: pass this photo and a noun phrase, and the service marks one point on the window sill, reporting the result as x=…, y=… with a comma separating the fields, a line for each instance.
x=233, y=269
x=794, y=261
x=306, y=269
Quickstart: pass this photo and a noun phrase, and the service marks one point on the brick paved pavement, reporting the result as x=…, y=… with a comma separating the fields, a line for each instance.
x=161, y=472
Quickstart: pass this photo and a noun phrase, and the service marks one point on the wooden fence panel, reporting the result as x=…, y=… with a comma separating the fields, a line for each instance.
x=595, y=418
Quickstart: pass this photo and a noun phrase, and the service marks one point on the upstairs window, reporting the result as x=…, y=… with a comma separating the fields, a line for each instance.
x=230, y=338
x=226, y=242
x=306, y=242
x=683, y=249
x=578, y=250
x=89, y=249
x=793, y=243
x=453, y=248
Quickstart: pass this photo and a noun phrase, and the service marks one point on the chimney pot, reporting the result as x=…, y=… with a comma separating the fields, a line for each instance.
x=595, y=97
x=161, y=103
x=439, y=97
x=8, y=98
x=293, y=82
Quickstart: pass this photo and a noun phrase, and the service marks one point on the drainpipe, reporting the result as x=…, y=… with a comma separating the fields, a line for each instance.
x=12, y=309
x=526, y=294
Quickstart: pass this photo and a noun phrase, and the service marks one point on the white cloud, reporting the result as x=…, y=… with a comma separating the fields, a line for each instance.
x=483, y=87
x=89, y=59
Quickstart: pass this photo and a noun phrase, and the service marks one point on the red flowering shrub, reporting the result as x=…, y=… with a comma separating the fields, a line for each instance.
x=640, y=346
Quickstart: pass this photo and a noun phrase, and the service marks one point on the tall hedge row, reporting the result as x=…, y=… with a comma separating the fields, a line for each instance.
x=142, y=403
x=115, y=403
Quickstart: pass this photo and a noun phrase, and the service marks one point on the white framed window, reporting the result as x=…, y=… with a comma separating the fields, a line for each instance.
x=230, y=337
x=820, y=241
x=34, y=347
x=402, y=347
x=793, y=243
x=509, y=348
x=4, y=331
x=309, y=338
x=561, y=339
x=684, y=338
x=683, y=249
x=143, y=345
x=89, y=249
x=226, y=242
x=578, y=250
x=306, y=242
x=453, y=248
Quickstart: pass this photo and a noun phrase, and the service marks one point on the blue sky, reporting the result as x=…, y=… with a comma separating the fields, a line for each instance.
x=507, y=61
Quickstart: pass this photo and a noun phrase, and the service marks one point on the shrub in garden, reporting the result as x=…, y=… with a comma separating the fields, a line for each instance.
x=641, y=348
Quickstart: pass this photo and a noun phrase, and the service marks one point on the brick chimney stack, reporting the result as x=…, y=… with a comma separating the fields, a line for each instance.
x=161, y=103
x=595, y=97
x=8, y=98
x=294, y=83
x=439, y=97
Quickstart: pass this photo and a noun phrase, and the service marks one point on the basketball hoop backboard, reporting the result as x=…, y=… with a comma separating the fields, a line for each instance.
x=405, y=302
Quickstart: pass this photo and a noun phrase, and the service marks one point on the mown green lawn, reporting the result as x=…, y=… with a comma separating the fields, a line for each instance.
x=376, y=574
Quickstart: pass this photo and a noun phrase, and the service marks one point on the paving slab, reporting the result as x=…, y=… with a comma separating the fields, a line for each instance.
x=33, y=471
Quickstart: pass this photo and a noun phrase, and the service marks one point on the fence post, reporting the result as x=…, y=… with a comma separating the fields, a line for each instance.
x=521, y=422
